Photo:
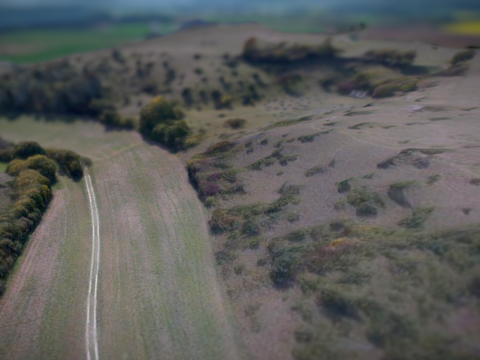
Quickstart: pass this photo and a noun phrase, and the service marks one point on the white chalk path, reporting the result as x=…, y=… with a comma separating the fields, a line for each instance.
x=91, y=322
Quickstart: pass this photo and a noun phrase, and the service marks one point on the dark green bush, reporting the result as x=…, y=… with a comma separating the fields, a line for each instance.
x=235, y=123
x=110, y=118
x=160, y=121
x=25, y=149
x=171, y=135
x=283, y=269
x=41, y=163
x=69, y=161
x=29, y=178
x=158, y=111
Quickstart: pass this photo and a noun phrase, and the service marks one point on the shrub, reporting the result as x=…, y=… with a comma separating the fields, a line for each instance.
x=160, y=121
x=315, y=170
x=41, y=163
x=220, y=147
x=98, y=106
x=222, y=221
x=158, y=111
x=392, y=87
x=251, y=228
x=110, y=118
x=25, y=149
x=30, y=178
x=359, y=196
x=173, y=136
x=221, y=101
x=308, y=138
x=69, y=161
x=284, y=160
x=462, y=56
x=128, y=123
x=188, y=96
x=391, y=57
x=417, y=218
x=235, y=123
x=260, y=50
x=344, y=186
x=283, y=269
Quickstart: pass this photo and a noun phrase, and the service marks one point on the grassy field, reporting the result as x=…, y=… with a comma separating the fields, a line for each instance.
x=157, y=275
x=29, y=46
x=3, y=166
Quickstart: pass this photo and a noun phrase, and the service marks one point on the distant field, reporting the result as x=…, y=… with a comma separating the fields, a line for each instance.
x=3, y=166
x=295, y=24
x=464, y=28
x=33, y=45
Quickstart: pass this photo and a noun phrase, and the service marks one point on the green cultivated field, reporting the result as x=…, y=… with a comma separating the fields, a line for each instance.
x=29, y=46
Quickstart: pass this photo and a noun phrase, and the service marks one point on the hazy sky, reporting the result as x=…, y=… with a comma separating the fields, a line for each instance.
x=425, y=4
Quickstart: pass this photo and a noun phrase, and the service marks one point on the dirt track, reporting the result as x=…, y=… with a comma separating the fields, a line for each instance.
x=158, y=294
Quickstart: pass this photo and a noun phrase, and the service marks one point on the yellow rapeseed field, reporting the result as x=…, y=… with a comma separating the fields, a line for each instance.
x=464, y=27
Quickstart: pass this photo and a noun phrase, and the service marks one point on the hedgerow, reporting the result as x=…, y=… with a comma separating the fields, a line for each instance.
x=34, y=169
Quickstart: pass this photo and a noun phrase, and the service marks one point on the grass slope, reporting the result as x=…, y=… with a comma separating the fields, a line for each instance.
x=158, y=292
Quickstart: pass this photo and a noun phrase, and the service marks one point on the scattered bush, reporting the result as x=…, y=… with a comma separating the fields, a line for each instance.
x=308, y=138
x=221, y=101
x=417, y=218
x=220, y=147
x=222, y=220
x=344, y=186
x=365, y=201
x=391, y=57
x=260, y=50
x=392, y=87
x=462, y=56
x=284, y=160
